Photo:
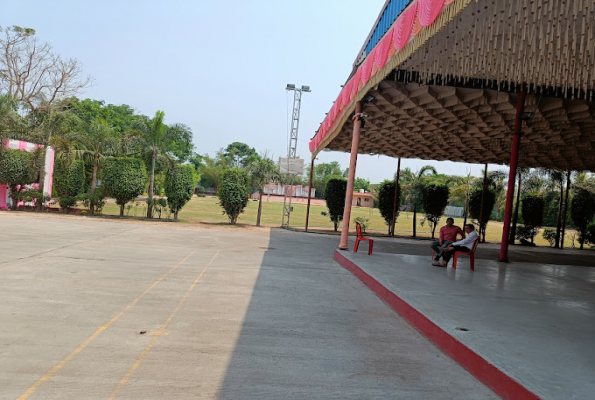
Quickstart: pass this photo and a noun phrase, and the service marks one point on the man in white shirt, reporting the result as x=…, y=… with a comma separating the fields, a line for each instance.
x=462, y=245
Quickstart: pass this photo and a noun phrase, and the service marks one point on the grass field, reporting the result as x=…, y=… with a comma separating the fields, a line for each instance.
x=207, y=210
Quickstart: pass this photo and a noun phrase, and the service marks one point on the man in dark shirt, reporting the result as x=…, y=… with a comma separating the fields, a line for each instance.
x=448, y=235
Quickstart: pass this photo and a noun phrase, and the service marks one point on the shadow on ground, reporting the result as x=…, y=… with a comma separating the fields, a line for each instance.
x=312, y=330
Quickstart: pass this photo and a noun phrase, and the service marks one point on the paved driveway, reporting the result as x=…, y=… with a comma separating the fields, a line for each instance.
x=228, y=313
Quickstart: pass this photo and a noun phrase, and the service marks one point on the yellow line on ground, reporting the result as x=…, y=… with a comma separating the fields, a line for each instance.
x=157, y=334
x=57, y=367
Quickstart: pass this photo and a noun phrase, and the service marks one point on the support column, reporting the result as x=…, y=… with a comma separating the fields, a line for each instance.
x=357, y=125
x=514, y=157
x=395, y=205
x=483, y=190
x=565, y=210
x=309, y=193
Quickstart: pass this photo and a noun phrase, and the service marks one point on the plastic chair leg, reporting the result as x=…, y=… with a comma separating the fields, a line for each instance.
x=371, y=247
x=472, y=261
x=356, y=245
x=454, y=265
x=433, y=254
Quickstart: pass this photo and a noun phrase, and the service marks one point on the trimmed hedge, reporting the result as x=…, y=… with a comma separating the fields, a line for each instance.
x=180, y=182
x=334, y=194
x=386, y=199
x=14, y=172
x=124, y=179
x=234, y=192
x=72, y=185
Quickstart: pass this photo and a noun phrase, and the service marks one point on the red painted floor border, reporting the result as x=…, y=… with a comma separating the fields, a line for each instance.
x=502, y=384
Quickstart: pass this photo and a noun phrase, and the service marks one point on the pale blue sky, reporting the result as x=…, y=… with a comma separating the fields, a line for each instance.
x=219, y=67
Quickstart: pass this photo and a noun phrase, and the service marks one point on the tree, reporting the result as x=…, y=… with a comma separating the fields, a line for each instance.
x=10, y=121
x=435, y=200
x=46, y=127
x=180, y=182
x=386, y=202
x=414, y=184
x=239, y=155
x=152, y=132
x=489, y=199
x=32, y=73
x=461, y=187
x=361, y=183
x=262, y=171
x=582, y=211
x=532, y=211
x=97, y=142
x=334, y=194
x=73, y=184
x=234, y=193
x=322, y=173
x=15, y=172
x=124, y=179
x=211, y=170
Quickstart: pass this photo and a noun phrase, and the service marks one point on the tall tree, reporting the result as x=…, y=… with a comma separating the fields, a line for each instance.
x=262, y=170
x=239, y=154
x=32, y=73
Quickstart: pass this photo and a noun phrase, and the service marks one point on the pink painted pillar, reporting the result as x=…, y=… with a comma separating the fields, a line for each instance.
x=514, y=157
x=357, y=125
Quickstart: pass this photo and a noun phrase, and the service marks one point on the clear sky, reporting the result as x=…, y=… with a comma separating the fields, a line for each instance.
x=220, y=67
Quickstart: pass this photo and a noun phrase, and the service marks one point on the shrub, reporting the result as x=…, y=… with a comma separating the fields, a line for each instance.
x=549, y=235
x=582, y=211
x=179, y=187
x=334, y=194
x=525, y=234
x=234, y=191
x=124, y=179
x=364, y=222
x=386, y=201
x=435, y=199
x=73, y=184
x=95, y=200
x=14, y=172
x=532, y=211
x=475, y=208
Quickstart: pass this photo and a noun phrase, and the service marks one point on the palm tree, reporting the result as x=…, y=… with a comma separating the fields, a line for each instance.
x=152, y=132
x=213, y=169
x=94, y=145
x=262, y=170
x=414, y=184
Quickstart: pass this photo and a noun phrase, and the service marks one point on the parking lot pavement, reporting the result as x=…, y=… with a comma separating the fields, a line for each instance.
x=229, y=312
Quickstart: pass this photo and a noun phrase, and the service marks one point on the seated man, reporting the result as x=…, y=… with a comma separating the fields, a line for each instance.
x=462, y=245
x=448, y=235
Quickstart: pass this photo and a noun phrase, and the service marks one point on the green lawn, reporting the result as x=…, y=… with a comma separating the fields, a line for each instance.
x=207, y=209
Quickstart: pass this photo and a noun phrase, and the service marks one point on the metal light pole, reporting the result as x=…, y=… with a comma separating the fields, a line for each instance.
x=292, y=148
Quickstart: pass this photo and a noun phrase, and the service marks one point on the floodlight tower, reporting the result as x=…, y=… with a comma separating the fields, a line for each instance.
x=292, y=148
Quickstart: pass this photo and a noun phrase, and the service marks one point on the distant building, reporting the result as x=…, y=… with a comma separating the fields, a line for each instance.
x=363, y=200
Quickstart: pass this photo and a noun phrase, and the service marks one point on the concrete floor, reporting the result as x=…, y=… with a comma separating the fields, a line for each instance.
x=535, y=322
x=229, y=313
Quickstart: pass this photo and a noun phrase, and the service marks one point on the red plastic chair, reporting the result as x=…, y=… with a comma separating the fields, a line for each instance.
x=470, y=253
x=360, y=237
